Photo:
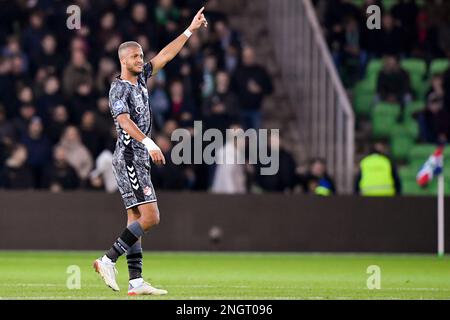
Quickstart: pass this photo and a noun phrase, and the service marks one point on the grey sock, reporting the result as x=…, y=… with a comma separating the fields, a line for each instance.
x=134, y=260
x=128, y=238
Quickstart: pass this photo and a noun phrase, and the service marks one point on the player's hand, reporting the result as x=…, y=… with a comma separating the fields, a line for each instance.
x=198, y=20
x=157, y=157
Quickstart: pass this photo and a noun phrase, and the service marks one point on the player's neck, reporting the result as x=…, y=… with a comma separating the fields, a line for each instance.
x=126, y=75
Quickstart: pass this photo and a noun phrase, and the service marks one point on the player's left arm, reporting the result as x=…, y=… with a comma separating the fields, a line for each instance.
x=171, y=50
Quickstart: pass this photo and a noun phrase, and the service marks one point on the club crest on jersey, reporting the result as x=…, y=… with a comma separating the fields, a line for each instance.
x=148, y=191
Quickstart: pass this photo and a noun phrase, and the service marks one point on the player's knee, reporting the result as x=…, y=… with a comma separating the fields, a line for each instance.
x=150, y=220
x=155, y=219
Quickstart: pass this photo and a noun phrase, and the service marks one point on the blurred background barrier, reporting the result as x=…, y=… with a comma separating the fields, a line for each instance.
x=198, y=221
x=324, y=114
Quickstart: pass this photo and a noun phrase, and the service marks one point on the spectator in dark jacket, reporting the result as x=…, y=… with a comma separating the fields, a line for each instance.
x=434, y=121
x=251, y=83
x=16, y=174
x=284, y=179
x=393, y=82
x=38, y=147
x=59, y=175
x=317, y=180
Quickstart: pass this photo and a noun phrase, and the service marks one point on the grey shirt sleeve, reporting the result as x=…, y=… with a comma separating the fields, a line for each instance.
x=118, y=99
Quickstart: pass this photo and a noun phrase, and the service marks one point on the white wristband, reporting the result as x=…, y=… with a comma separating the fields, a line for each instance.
x=150, y=145
x=187, y=33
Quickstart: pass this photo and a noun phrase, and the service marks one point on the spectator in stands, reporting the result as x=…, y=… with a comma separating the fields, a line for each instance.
x=390, y=39
x=179, y=102
x=103, y=119
x=77, y=154
x=317, y=180
x=222, y=108
x=16, y=174
x=90, y=135
x=7, y=98
x=393, y=82
x=167, y=17
x=107, y=70
x=252, y=83
x=59, y=175
x=349, y=56
x=437, y=86
x=38, y=150
x=7, y=132
x=84, y=99
x=230, y=177
x=169, y=176
x=48, y=55
x=50, y=98
x=58, y=123
x=284, y=179
x=226, y=38
x=209, y=72
x=434, y=121
x=77, y=72
x=406, y=13
x=377, y=174
x=446, y=86
x=102, y=177
x=26, y=113
x=159, y=98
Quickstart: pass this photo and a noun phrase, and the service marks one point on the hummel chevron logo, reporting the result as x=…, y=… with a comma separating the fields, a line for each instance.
x=133, y=180
x=135, y=187
x=132, y=175
x=131, y=169
x=127, y=138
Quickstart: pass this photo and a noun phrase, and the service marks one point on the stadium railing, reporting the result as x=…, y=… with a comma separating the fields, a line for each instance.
x=325, y=116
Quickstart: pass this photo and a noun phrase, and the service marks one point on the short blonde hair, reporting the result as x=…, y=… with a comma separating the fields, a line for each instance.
x=126, y=45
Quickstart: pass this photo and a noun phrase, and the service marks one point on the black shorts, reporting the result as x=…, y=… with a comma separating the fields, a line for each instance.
x=134, y=182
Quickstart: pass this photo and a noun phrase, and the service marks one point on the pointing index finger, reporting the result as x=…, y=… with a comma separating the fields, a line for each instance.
x=200, y=11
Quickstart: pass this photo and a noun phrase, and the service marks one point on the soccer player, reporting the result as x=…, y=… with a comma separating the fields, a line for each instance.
x=128, y=101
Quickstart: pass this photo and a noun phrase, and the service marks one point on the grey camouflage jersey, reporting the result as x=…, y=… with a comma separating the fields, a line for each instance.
x=124, y=97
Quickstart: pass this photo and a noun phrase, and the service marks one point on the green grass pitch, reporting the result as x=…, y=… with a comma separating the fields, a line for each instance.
x=43, y=275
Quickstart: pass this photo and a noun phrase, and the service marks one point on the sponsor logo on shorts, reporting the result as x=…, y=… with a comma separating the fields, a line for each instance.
x=148, y=191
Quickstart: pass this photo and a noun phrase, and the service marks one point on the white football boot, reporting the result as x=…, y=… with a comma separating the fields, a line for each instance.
x=107, y=271
x=144, y=288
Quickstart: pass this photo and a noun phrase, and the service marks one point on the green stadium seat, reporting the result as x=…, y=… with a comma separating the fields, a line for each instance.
x=439, y=66
x=400, y=146
x=358, y=3
x=414, y=66
x=384, y=119
x=388, y=4
x=387, y=108
x=373, y=68
x=403, y=138
x=419, y=85
x=413, y=107
x=420, y=153
x=411, y=188
x=363, y=97
x=412, y=127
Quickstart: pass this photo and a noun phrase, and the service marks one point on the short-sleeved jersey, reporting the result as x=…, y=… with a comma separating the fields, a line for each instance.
x=125, y=97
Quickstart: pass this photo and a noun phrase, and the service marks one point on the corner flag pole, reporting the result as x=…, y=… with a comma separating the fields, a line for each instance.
x=441, y=232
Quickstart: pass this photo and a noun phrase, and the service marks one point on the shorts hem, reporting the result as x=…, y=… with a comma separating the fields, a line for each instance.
x=139, y=203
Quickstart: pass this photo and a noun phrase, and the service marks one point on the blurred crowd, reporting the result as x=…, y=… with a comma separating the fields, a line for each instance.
x=408, y=29
x=418, y=30
x=56, y=131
